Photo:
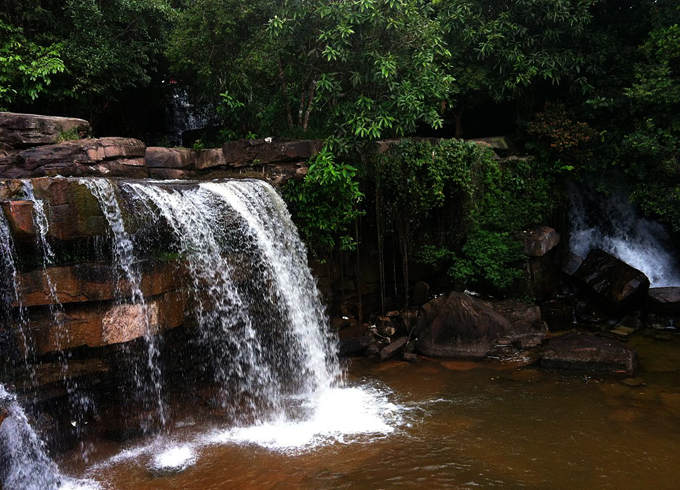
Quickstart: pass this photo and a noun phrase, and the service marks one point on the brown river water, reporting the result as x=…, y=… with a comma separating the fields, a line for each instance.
x=457, y=425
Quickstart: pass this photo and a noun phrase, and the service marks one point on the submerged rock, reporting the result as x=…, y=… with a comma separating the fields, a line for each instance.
x=586, y=352
x=392, y=348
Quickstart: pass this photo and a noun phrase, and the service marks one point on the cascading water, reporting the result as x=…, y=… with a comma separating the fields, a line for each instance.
x=254, y=321
x=614, y=225
x=23, y=462
x=124, y=262
x=81, y=404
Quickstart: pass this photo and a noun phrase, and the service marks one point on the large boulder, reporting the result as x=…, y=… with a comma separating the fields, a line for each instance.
x=585, y=352
x=459, y=326
x=617, y=286
x=538, y=240
x=665, y=301
x=27, y=130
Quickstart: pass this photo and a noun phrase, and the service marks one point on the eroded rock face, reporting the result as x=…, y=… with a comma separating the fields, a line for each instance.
x=96, y=157
x=617, y=286
x=582, y=351
x=459, y=326
x=26, y=130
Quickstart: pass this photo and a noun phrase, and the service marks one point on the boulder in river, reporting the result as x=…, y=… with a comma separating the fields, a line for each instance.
x=615, y=285
x=459, y=326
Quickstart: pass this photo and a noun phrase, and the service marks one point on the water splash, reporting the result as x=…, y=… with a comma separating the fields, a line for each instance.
x=614, y=225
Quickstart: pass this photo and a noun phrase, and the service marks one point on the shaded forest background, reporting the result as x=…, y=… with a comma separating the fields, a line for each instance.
x=590, y=87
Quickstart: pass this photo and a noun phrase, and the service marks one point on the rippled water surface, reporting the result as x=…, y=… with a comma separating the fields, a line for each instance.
x=435, y=424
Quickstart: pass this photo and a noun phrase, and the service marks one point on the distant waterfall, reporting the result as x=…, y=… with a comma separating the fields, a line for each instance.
x=613, y=224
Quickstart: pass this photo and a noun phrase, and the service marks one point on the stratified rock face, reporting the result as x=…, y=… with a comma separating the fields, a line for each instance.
x=100, y=324
x=616, y=285
x=175, y=158
x=539, y=240
x=664, y=300
x=100, y=157
x=459, y=326
x=72, y=211
x=250, y=152
x=92, y=282
x=582, y=351
x=27, y=130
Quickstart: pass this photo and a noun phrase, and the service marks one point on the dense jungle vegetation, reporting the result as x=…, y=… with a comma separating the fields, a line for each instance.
x=590, y=87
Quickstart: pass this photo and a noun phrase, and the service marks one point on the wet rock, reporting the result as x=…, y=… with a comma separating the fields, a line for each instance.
x=19, y=216
x=96, y=325
x=26, y=130
x=243, y=153
x=664, y=300
x=582, y=351
x=72, y=211
x=459, y=326
x=372, y=349
x=589, y=314
x=617, y=286
x=93, y=282
x=409, y=356
x=541, y=277
x=354, y=346
x=539, y=240
x=392, y=348
x=526, y=330
x=169, y=174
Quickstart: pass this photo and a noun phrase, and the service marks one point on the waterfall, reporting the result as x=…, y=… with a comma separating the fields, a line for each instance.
x=255, y=301
x=612, y=223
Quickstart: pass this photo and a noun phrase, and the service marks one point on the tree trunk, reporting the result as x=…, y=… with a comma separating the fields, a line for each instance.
x=310, y=103
x=284, y=87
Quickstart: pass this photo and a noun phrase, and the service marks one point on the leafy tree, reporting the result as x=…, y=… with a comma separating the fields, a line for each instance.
x=507, y=49
x=26, y=68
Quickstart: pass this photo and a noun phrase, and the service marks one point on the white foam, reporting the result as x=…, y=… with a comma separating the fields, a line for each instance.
x=78, y=484
x=174, y=459
x=336, y=415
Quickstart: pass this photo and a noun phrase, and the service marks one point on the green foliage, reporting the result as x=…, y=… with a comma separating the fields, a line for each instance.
x=478, y=202
x=71, y=134
x=26, y=68
x=325, y=203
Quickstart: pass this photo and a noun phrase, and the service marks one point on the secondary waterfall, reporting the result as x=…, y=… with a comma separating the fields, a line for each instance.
x=613, y=224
